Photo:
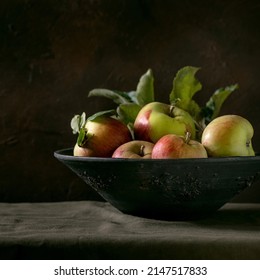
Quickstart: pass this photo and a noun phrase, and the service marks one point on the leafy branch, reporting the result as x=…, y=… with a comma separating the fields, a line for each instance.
x=184, y=87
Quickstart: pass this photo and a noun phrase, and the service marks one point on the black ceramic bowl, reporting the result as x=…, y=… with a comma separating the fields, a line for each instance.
x=171, y=189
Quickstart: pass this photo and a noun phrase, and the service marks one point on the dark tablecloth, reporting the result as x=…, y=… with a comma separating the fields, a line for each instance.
x=96, y=230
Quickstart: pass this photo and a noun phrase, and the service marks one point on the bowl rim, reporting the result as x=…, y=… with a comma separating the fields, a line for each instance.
x=63, y=154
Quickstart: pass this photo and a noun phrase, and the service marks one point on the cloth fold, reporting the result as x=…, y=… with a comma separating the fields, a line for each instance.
x=96, y=230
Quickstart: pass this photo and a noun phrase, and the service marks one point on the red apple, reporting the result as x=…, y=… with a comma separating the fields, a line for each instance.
x=100, y=136
x=157, y=119
x=175, y=146
x=134, y=149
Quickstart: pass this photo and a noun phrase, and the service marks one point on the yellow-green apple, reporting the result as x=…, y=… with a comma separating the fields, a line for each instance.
x=228, y=135
x=157, y=119
x=100, y=136
x=134, y=149
x=176, y=146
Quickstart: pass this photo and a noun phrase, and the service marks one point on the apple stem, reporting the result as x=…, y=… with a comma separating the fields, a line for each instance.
x=142, y=150
x=171, y=110
x=187, y=137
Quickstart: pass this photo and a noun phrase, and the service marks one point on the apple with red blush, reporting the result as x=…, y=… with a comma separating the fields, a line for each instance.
x=134, y=149
x=99, y=135
x=228, y=135
x=157, y=119
x=175, y=146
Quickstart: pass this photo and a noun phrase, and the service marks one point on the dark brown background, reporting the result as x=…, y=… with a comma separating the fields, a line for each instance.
x=53, y=52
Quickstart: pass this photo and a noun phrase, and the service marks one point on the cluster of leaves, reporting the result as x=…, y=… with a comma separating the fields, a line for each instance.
x=130, y=103
x=185, y=86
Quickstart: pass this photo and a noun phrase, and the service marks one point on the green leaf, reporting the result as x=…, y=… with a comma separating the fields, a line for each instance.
x=213, y=106
x=128, y=112
x=101, y=113
x=133, y=96
x=78, y=122
x=192, y=107
x=119, y=97
x=82, y=137
x=145, y=89
x=185, y=85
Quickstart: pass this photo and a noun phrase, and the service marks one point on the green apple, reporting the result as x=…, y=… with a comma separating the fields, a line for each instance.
x=228, y=135
x=175, y=146
x=157, y=119
x=134, y=149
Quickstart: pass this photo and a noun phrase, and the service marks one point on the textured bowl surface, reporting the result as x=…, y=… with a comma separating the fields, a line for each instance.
x=174, y=189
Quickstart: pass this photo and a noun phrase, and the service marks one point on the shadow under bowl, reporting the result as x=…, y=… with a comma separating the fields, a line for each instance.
x=168, y=189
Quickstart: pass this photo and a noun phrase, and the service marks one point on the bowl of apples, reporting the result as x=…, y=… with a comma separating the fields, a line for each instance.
x=176, y=161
